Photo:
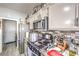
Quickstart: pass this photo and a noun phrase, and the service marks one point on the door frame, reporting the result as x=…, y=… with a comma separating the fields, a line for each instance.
x=16, y=20
x=6, y=20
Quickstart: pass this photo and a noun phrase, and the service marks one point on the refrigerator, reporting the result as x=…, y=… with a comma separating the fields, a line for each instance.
x=21, y=36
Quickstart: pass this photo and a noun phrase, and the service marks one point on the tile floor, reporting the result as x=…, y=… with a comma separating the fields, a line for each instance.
x=11, y=50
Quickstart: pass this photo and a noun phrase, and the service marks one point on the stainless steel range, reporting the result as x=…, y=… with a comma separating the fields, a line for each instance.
x=40, y=43
x=33, y=50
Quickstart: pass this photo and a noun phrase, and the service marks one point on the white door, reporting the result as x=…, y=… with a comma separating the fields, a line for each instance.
x=9, y=29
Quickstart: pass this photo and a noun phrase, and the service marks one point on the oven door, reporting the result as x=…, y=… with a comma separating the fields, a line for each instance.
x=31, y=53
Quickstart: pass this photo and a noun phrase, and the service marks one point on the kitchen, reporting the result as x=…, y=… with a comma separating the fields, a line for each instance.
x=50, y=23
x=40, y=31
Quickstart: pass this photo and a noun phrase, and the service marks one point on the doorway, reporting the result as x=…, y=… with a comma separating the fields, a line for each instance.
x=9, y=31
x=9, y=38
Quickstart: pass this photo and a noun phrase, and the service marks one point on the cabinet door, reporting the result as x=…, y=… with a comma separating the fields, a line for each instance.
x=31, y=22
x=61, y=16
x=43, y=12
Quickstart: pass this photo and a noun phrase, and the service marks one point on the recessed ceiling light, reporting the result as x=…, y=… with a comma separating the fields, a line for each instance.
x=66, y=8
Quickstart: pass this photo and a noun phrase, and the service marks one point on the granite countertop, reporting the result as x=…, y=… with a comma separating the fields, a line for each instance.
x=43, y=51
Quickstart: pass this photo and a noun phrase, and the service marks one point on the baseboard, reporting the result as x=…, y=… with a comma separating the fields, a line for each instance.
x=10, y=42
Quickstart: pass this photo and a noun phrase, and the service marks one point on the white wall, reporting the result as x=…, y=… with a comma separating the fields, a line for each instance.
x=0, y=36
x=9, y=13
x=0, y=40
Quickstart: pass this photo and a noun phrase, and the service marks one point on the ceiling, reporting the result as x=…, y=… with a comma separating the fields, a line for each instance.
x=21, y=7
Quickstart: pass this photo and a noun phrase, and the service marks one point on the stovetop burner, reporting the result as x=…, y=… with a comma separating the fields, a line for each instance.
x=42, y=44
